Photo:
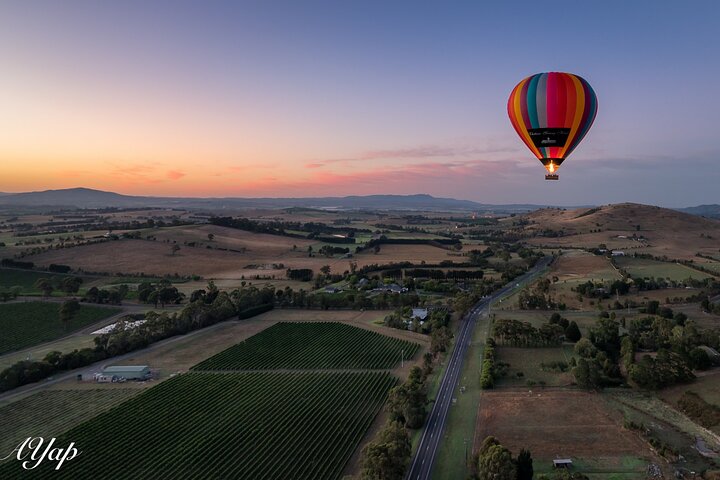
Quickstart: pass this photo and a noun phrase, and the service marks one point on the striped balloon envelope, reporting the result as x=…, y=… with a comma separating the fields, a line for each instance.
x=552, y=112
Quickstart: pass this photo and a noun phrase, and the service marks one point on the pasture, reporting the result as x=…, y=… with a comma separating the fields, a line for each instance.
x=526, y=367
x=646, y=268
x=218, y=426
x=27, y=324
x=302, y=346
x=566, y=424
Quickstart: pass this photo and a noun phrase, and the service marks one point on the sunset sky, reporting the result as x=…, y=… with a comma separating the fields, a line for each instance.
x=299, y=98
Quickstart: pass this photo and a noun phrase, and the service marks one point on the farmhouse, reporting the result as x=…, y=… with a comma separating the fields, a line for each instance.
x=130, y=372
x=618, y=253
x=562, y=463
x=419, y=313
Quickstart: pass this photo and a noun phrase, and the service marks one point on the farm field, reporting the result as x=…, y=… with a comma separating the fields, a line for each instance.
x=526, y=370
x=218, y=426
x=10, y=277
x=53, y=412
x=297, y=346
x=31, y=323
x=38, y=352
x=584, y=319
x=131, y=257
x=564, y=424
x=664, y=423
x=645, y=268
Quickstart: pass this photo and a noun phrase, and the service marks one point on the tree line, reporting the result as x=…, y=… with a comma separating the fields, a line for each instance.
x=204, y=311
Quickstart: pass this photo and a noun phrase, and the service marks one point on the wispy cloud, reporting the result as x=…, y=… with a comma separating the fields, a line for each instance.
x=175, y=174
x=415, y=153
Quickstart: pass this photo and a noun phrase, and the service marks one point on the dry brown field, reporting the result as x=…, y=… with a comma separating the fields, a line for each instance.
x=560, y=423
x=667, y=232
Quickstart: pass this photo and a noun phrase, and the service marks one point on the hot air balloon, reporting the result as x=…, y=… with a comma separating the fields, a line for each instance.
x=551, y=113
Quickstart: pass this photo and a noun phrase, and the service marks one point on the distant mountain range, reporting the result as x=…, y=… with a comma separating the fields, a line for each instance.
x=89, y=198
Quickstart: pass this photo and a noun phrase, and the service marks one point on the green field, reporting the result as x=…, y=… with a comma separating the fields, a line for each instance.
x=220, y=426
x=525, y=366
x=317, y=345
x=27, y=324
x=641, y=267
x=52, y=412
x=25, y=279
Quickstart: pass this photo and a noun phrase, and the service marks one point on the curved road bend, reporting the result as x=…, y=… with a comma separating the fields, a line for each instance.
x=424, y=458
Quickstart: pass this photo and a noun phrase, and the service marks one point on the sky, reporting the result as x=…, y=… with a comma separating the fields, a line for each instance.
x=305, y=98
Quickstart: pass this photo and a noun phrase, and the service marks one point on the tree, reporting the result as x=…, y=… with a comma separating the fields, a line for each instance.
x=699, y=359
x=495, y=462
x=71, y=284
x=572, y=332
x=524, y=465
x=68, y=309
x=325, y=270
x=211, y=237
x=585, y=349
x=388, y=456
x=45, y=286
x=175, y=248
x=587, y=374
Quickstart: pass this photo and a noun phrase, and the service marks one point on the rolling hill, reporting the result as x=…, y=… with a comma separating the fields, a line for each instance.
x=626, y=226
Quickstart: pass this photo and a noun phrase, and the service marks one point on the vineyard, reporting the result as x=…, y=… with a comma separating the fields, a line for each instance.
x=305, y=346
x=25, y=324
x=227, y=425
x=53, y=412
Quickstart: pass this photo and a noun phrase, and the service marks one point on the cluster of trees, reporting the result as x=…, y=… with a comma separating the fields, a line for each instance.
x=597, y=365
x=204, y=311
x=329, y=250
x=709, y=307
x=665, y=369
x=68, y=285
x=437, y=274
x=524, y=334
x=10, y=263
x=407, y=402
x=538, y=299
x=112, y=295
x=162, y=292
x=299, y=274
x=487, y=374
x=388, y=455
x=495, y=462
x=281, y=228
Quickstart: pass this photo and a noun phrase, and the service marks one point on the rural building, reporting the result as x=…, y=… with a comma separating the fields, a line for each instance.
x=131, y=372
x=332, y=290
x=562, y=463
x=712, y=354
x=362, y=282
x=618, y=253
x=419, y=313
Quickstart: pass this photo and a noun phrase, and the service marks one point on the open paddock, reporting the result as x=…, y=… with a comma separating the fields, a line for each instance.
x=527, y=362
x=562, y=423
x=646, y=268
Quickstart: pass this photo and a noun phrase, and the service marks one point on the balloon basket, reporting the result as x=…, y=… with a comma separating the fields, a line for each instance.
x=552, y=176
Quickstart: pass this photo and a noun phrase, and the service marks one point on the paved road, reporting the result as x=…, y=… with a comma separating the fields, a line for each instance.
x=422, y=462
